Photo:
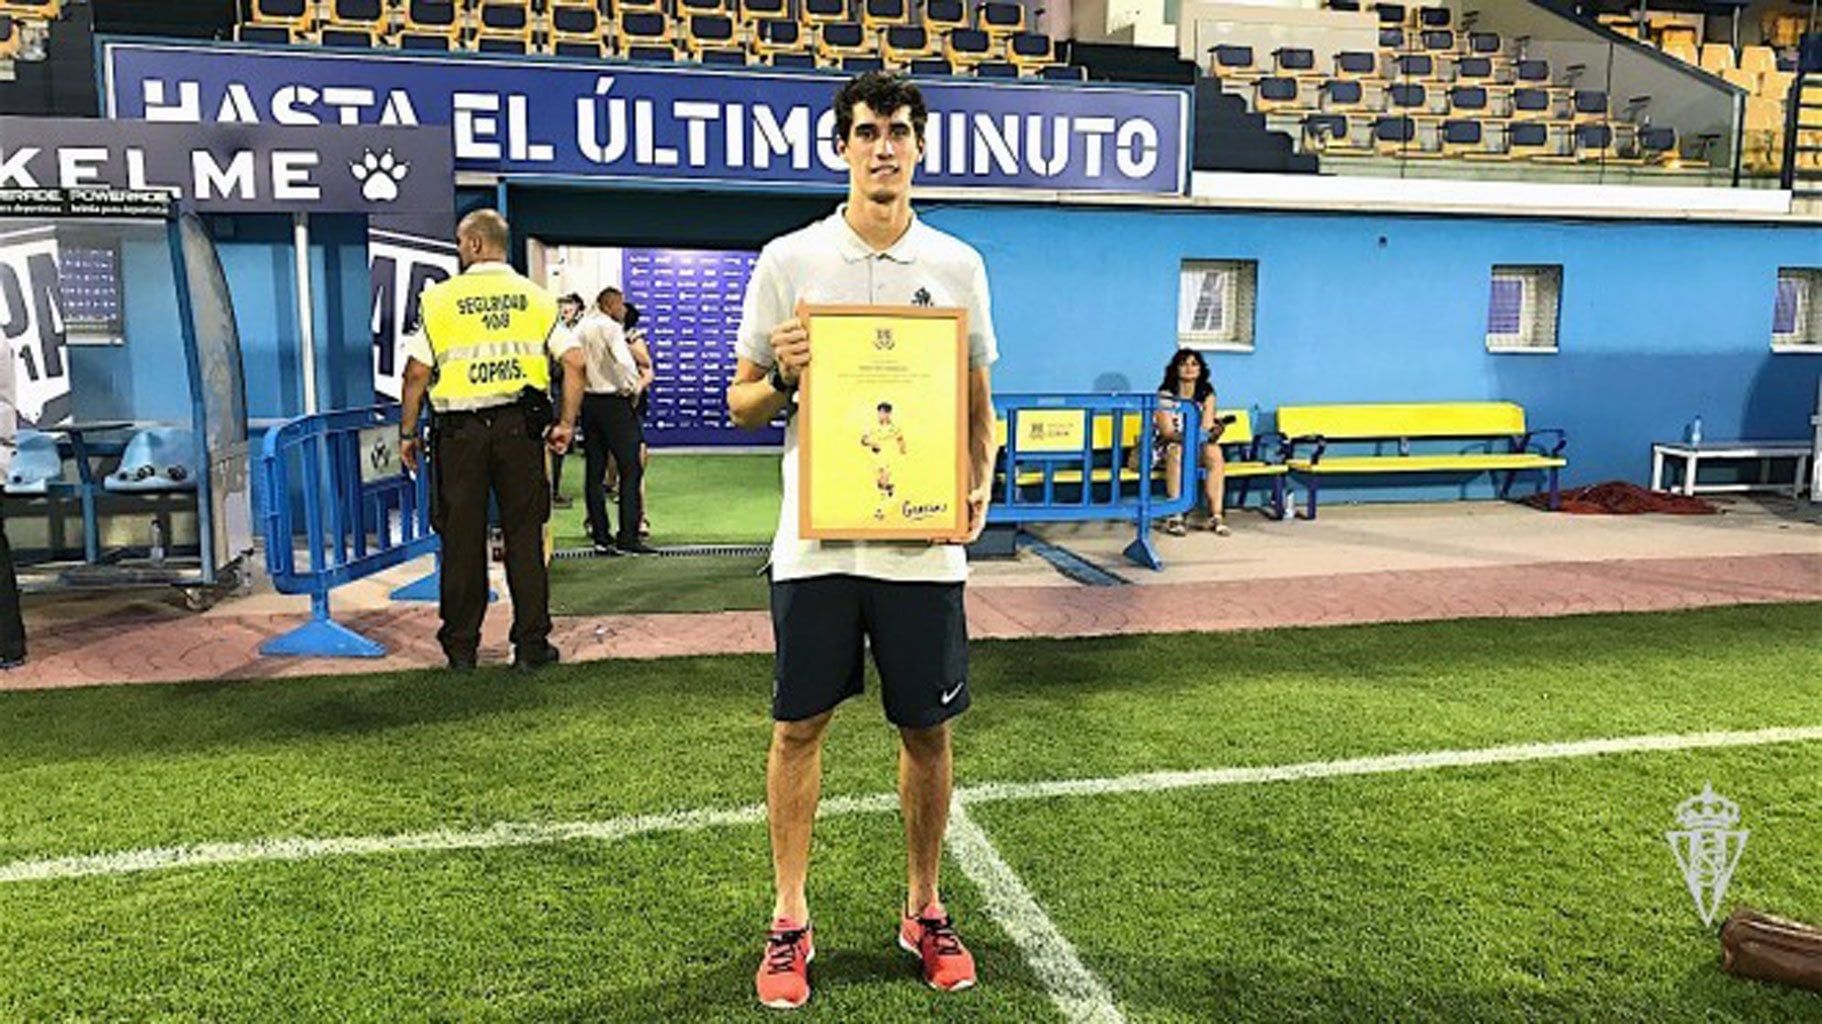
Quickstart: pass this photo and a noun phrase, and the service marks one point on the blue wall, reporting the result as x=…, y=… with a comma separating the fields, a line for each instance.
x=146, y=378
x=1659, y=322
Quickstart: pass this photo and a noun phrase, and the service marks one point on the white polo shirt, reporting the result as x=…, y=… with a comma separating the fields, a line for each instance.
x=827, y=263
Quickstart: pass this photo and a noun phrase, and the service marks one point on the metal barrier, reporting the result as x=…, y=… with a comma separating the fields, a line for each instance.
x=361, y=515
x=1065, y=460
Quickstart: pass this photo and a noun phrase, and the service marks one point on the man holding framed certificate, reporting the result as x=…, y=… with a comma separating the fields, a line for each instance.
x=868, y=551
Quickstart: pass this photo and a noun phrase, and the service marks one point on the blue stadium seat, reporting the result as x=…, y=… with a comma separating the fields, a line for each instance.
x=704, y=30
x=1533, y=71
x=941, y=15
x=1590, y=103
x=295, y=13
x=1468, y=97
x=774, y=36
x=654, y=53
x=759, y=10
x=1355, y=64
x=720, y=56
x=1390, y=14
x=1002, y=18
x=1399, y=130
x=1343, y=94
x=1414, y=65
x=877, y=14
x=799, y=60
x=819, y=11
x=1474, y=69
x=347, y=37
x=156, y=459
x=688, y=8
x=1462, y=134
x=1031, y=50
x=1435, y=17
x=274, y=35
x=931, y=67
x=1230, y=60
x=1064, y=73
x=996, y=69
x=1407, y=96
x=1295, y=60
x=856, y=63
x=905, y=43
x=968, y=46
x=36, y=465
x=1527, y=138
x=1485, y=43
x=1391, y=38
x=1531, y=103
x=1438, y=39
x=1344, y=5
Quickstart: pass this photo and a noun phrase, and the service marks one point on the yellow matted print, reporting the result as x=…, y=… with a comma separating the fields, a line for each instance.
x=882, y=432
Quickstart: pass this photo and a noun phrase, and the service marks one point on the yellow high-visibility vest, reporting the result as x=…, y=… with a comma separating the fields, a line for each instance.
x=487, y=331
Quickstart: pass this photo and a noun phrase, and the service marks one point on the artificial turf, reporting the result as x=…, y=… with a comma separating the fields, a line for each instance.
x=1522, y=892
x=694, y=498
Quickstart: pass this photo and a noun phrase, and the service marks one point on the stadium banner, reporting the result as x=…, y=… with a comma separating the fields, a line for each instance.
x=401, y=264
x=236, y=168
x=31, y=320
x=556, y=118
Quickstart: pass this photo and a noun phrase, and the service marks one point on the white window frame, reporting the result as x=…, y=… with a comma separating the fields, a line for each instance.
x=1806, y=339
x=1240, y=292
x=1538, y=282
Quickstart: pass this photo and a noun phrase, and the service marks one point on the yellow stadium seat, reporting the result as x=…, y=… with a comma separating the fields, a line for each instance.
x=1717, y=57
x=1775, y=85
x=1758, y=58
x=9, y=37
x=1683, y=51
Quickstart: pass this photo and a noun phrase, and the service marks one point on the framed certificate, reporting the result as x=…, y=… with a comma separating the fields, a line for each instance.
x=882, y=431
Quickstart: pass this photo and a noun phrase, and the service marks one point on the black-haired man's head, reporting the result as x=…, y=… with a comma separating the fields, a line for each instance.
x=879, y=131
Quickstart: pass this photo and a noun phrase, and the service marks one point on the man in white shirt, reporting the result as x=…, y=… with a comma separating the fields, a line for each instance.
x=833, y=600
x=611, y=424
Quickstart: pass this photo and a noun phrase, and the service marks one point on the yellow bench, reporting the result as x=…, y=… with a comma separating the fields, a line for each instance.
x=1238, y=433
x=1316, y=427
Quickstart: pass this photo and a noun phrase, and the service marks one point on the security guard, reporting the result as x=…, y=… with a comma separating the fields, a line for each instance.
x=484, y=352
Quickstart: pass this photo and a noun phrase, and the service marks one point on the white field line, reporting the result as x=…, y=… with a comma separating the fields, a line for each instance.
x=512, y=834
x=1081, y=997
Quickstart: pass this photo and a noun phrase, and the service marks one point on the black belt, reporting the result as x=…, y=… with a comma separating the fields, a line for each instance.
x=485, y=415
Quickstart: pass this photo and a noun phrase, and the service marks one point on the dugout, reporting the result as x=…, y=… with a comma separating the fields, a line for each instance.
x=127, y=473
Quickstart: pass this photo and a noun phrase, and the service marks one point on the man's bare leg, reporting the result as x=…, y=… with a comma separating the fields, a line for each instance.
x=926, y=776
x=793, y=786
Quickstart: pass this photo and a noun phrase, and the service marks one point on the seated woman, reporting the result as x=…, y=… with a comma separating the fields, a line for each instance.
x=1186, y=379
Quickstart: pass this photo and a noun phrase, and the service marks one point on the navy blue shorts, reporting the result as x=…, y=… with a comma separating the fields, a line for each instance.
x=918, y=633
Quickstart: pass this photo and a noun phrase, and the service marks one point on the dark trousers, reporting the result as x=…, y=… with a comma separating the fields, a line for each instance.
x=12, y=626
x=612, y=428
x=556, y=475
x=478, y=453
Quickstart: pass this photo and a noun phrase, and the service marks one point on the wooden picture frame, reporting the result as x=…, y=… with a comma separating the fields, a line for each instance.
x=882, y=424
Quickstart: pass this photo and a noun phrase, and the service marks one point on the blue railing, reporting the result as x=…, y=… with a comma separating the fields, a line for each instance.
x=312, y=468
x=1077, y=467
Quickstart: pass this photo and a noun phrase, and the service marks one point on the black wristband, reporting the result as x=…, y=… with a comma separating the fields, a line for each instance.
x=778, y=382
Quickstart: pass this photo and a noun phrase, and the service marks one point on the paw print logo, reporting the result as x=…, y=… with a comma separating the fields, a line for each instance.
x=379, y=176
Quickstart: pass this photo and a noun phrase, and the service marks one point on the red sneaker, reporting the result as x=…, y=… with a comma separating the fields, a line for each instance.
x=783, y=981
x=948, y=966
